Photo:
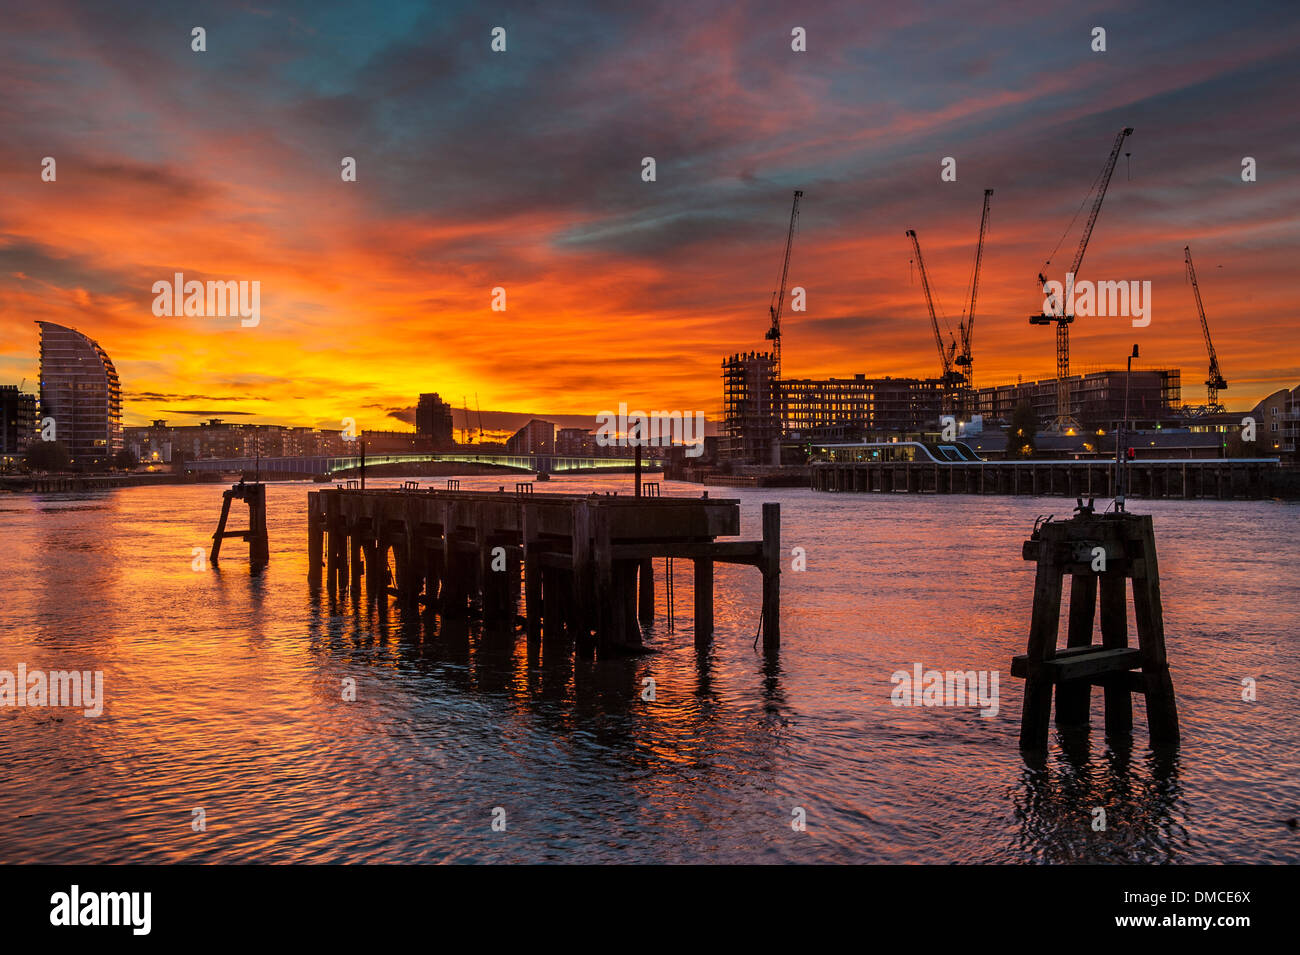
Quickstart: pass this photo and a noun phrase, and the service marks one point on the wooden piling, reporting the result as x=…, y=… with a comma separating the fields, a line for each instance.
x=704, y=602
x=1072, y=699
x=646, y=590
x=254, y=495
x=1100, y=552
x=771, y=578
x=586, y=561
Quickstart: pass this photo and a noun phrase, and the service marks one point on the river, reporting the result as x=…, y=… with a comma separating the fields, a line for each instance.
x=225, y=735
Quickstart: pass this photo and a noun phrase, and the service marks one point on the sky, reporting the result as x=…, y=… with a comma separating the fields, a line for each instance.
x=522, y=170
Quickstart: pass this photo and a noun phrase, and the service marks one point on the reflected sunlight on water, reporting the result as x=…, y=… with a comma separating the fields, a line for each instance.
x=224, y=693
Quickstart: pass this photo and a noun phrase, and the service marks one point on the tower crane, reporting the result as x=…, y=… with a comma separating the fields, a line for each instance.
x=1215, y=380
x=778, y=297
x=964, y=360
x=951, y=378
x=1064, y=419
x=467, y=432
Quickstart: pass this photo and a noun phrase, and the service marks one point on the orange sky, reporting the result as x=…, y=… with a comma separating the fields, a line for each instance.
x=522, y=170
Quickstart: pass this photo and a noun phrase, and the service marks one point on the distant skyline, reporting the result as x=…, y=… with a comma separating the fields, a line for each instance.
x=522, y=170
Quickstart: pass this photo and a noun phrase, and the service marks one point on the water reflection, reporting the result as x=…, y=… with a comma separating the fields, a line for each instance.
x=1074, y=807
x=225, y=690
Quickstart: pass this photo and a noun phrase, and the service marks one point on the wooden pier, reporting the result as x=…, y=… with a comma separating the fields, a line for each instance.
x=584, y=563
x=1209, y=478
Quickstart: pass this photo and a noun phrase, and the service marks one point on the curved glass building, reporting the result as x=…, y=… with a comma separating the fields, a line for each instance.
x=80, y=390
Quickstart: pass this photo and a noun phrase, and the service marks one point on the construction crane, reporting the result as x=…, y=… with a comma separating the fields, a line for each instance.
x=778, y=297
x=1215, y=380
x=1064, y=418
x=951, y=378
x=467, y=432
x=479, y=408
x=967, y=326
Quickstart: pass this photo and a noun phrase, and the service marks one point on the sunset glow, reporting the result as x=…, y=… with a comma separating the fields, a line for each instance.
x=477, y=170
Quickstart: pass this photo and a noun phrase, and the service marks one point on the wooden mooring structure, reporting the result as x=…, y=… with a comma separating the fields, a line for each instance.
x=584, y=564
x=1209, y=478
x=254, y=495
x=1100, y=553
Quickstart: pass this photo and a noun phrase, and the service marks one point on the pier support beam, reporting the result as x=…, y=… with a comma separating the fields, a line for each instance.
x=771, y=578
x=646, y=591
x=703, y=603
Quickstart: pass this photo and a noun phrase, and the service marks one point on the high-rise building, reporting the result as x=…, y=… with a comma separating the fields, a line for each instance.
x=433, y=421
x=80, y=390
x=17, y=423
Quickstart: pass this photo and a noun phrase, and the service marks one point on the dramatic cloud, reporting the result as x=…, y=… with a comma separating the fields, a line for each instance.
x=522, y=170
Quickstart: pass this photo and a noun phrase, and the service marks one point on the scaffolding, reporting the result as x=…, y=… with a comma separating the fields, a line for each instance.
x=751, y=412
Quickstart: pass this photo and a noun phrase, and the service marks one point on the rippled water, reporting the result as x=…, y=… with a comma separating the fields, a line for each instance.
x=224, y=693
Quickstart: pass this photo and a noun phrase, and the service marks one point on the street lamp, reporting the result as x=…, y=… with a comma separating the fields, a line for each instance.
x=1119, y=438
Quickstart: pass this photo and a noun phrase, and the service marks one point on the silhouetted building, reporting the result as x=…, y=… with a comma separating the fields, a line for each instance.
x=157, y=443
x=1097, y=398
x=80, y=390
x=578, y=442
x=1277, y=424
x=433, y=421
x=536, y=437
x=17, y=423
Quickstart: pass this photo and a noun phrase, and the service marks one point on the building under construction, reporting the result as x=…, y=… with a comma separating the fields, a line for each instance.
x=751, y=418
x=760, y=414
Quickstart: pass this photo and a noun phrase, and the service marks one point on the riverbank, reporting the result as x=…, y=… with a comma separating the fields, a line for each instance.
x=54, y=483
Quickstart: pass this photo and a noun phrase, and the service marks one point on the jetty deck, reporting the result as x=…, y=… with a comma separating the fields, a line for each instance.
x=1198, y=478
x=584, y=563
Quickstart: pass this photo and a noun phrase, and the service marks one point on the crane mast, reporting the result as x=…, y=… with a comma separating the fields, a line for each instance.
x=1064, y=418
x=1215, y=380
x=964, y=360
x=778, y=297
x=950, y=377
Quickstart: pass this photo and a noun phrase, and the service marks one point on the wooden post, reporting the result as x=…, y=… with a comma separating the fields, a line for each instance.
x=771, y=578
x=605, y=616
x=532, y=572
x=1114, y=636
x=259, y=551
x=215, y=554
x=646, y=591
x=1043, y=627
x=354, y=556
x=1162, y=711
x=704, y=602
x=315, y=533
x=582, y=597
x=332, y=544
x=1072, y=698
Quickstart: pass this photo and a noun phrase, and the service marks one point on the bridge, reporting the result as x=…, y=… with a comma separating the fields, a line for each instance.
x=330, y=464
